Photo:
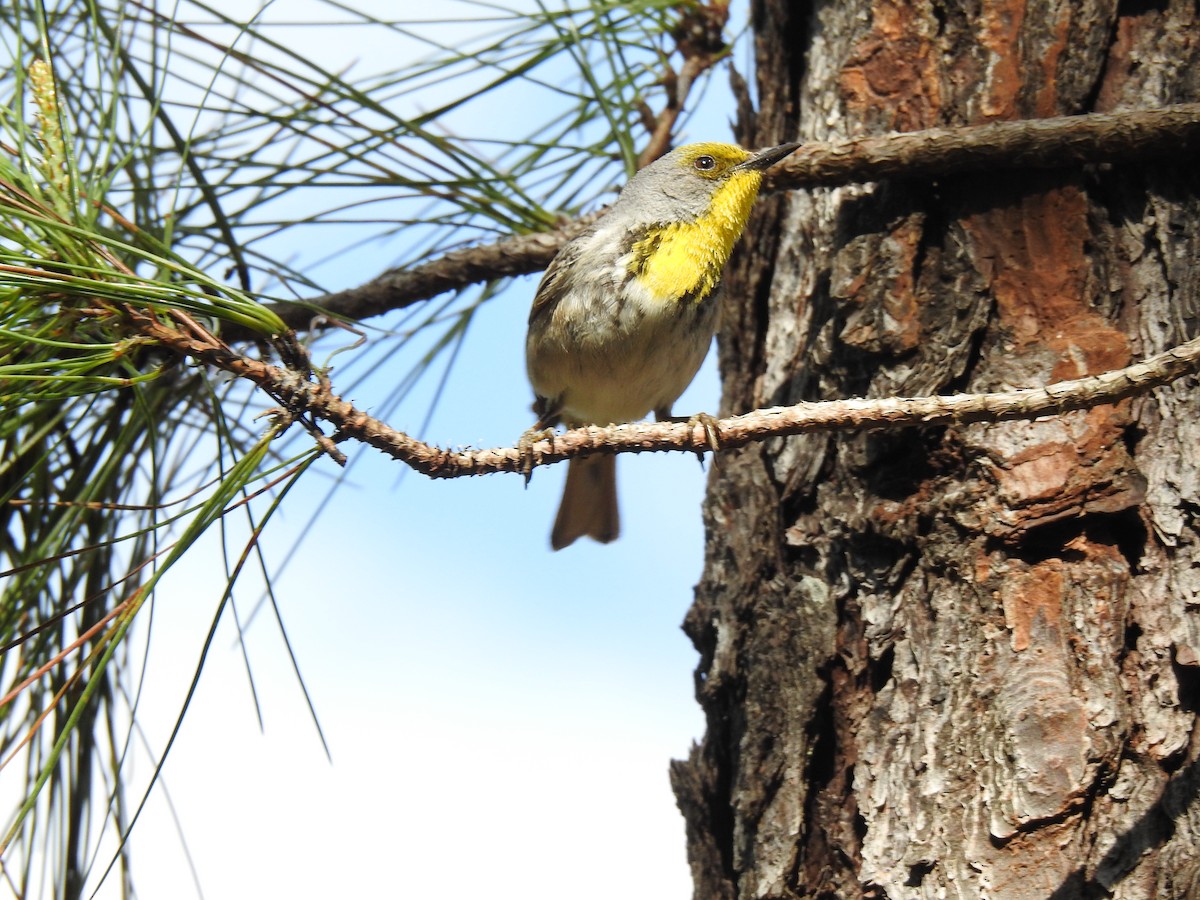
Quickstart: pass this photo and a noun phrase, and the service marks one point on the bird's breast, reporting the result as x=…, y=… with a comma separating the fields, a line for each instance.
x=682, y=261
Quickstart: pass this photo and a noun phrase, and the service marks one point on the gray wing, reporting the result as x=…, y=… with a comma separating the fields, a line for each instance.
x=555, y=282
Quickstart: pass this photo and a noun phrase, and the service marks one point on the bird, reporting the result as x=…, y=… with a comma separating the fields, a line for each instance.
x=625, y=312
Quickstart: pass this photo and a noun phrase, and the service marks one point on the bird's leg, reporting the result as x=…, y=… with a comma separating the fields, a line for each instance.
x=712, y=430
x=541, y=430
x=525, y=447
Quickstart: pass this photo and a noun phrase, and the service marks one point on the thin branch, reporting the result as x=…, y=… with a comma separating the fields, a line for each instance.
x=1037, y=143
x=300, y=394
x=398, y=288
x=699, y=37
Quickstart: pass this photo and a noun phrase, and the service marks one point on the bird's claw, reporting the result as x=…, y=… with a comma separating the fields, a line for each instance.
x=712, y=432
x=525, y=447
x=710, y=424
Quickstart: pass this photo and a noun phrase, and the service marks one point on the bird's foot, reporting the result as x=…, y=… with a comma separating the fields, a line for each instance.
x=525, y=447
x=712, y=431
x=710, y=424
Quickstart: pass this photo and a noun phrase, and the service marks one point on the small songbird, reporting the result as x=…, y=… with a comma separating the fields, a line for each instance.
x=626, y=311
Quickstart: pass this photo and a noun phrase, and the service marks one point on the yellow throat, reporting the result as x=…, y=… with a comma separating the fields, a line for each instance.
x=683, y=260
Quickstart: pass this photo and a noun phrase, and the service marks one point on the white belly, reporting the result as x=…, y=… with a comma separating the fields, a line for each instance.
x=628, y=360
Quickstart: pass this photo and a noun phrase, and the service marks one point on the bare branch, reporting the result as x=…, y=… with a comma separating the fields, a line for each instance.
x=398, y=288
x=1173, y=131
x=699, y=37
x=300, y=394
x=1040, y=143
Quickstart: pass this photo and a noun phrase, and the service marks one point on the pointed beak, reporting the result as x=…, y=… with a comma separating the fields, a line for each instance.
x=764, y=159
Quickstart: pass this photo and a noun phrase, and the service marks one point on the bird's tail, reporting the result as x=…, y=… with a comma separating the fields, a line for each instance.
x=589, y=503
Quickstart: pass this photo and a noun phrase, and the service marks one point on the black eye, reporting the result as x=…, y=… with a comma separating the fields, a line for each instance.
x=704, y=163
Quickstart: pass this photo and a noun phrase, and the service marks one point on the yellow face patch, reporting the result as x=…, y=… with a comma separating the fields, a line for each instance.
x=683, y=260
x=712, y=160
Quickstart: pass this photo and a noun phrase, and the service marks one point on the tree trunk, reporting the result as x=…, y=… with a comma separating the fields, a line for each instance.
x=965, y=661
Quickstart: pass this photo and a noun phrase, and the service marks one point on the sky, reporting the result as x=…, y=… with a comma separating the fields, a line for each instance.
x=499, y=717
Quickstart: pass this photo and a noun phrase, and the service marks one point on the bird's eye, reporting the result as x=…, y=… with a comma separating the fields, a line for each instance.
x=704, y=163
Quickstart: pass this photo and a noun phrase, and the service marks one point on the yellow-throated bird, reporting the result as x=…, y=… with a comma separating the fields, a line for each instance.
x=625, y=312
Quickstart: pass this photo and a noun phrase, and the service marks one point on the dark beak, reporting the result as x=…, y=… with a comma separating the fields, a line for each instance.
x=764, y=159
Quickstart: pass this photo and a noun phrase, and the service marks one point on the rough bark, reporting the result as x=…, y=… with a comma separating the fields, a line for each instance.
x=956, y=661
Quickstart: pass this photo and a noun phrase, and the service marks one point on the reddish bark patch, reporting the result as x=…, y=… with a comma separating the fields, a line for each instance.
x=1041, y=724
x=1030, y=594
x=999, y=35
x=890, y=80
x=1046, y=98
x=1034, y=253
x=1060, y=613
x=1054, y=479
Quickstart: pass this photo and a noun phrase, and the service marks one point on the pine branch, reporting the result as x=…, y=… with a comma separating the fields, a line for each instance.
x=1171, y=132
x=1060, y=142
x=302, y=396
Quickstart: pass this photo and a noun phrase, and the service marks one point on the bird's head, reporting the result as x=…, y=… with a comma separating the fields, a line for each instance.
x=697, y=181
x=683, y=213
